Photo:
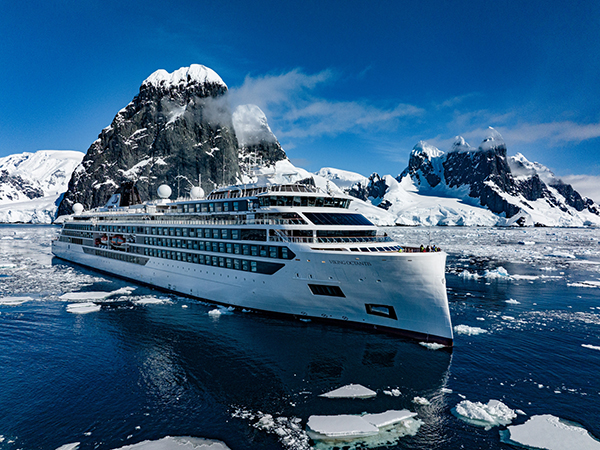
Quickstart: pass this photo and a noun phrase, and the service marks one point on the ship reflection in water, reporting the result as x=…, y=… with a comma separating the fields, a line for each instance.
x=220, y=375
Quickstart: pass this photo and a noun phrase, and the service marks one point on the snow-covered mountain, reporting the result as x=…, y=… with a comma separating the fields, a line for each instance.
x=474, y=186
x=31, y=184
x=177, y=129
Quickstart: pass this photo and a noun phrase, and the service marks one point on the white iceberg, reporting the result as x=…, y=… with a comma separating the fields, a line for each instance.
x=350, y=391
x=14, y=301
x=484, y=415
x=550, y=433
x=150, y=300
x=421, y=401
x=96, y=295
x=347, y=426
x=340, y=426
x=469, y=331
x=177, y=443
x=83, y=308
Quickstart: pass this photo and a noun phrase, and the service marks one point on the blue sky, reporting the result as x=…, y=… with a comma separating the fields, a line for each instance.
x=346, y=84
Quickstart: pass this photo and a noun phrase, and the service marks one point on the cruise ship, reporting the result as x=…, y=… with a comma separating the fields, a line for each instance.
x=288, y=249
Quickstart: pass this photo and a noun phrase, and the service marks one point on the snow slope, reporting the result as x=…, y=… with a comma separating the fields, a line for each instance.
x=32, y=183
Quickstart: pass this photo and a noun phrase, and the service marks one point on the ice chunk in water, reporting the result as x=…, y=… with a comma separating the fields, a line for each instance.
x=96, y=295
x=469, y=331
x=551, y=433
x=484, y=415
x=421, y=401
x=593, y=347
x=385, y=419
x=350, y=391
x=14, y=301
x=72, y=446
x=177, y=443
x=341, y=426
x=432, y=345
x=83, y=308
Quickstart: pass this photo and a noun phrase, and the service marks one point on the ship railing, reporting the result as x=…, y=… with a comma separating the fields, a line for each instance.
x=330, y=240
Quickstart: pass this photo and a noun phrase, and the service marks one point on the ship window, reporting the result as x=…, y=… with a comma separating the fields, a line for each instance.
x=284, y=253
x=337, y=219
x=381, y=310
x=245, y=265
x=218, y=206
x=235, y=234
x=253, y=266
x=263, y=250
x=254, y=250
x=229, y=247
x=236, y=264
x=272, y=252
x=236, y=249
x=236, y=206
x=215, y=261
x=228, y=263
x=185, y=232
x=189, y=257
x=190, y=244
x=194, y=245
x=204, y=207
x=177, y=231
x=215, y=233
x=319, y=201
x=322, y=289
x=254, y=235
x=221, y=247
x=224, y=234
x=186, y=208
x=211, y=207
x=245, y=249
x=195, y=259
x=215, y=247
x=192, y=232
x=171, y=231
x=221, y=262
x=201, y=245
x=225, y=206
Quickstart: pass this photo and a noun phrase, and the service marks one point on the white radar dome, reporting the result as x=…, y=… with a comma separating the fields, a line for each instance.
x=196, y=192
x=77, y=208
x=164, y=191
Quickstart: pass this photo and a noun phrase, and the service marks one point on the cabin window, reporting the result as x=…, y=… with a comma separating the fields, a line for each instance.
x=273, y=252
x=221, y=247
x=263, y=251
x=235, y=234
x=215, y=233
x=225, y=206
x=236, y=206
x=224, y=234
x=253, y=266
x=236, y=249
x=254, y=250
x=229, y=247
x=245, y=249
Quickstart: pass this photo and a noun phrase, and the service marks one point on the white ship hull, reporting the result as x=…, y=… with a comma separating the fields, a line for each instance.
x=403, y=293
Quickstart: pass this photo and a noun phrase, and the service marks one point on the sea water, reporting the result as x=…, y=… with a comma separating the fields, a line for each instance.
x=124, y=363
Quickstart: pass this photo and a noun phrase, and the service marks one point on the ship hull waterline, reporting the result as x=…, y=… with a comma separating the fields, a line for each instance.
x=396, y=295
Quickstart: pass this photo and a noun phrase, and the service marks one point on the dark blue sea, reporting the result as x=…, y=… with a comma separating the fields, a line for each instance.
x=525, y=304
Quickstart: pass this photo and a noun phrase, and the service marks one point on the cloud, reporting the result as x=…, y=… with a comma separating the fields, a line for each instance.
x=586, y=185
x=295, y=110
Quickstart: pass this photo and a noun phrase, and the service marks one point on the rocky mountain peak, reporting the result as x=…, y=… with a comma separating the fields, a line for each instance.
x=179, y=128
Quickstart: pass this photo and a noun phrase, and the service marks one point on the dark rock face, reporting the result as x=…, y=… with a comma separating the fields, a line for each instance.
x=14, y=184
x=171, y=133
x=375, y=188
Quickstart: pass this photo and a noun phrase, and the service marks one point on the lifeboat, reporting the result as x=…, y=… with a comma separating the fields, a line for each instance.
x=117, y=240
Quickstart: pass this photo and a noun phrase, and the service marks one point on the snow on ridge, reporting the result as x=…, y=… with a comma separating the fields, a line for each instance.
x=493, y=140
x=184, y=75
x=460, y=145
x=423, y=148
x=520, y=167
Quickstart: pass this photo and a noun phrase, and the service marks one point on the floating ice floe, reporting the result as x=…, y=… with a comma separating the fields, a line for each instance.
x=592, y=347
x=432, y=345
x=83, y=308
x=96, y=295
x=72, y=446
x=150, y=300
x=421, y=401
x=288, y=430
x=484, y=415
x=469, y=331
x=220, y=311
x=550, y=433
x=7, y=265
x=350, y=391
x=14, y=301
x=512, y=301
x=393, y=392
x=587, y=284
x=177, y=443
x=347, y=426
x=497, y=273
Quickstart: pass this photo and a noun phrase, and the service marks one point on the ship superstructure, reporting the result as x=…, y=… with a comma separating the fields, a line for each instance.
x=286, y=248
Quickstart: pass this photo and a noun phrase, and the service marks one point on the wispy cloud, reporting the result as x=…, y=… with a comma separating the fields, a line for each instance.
x=586, y=185
x=295, y=108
